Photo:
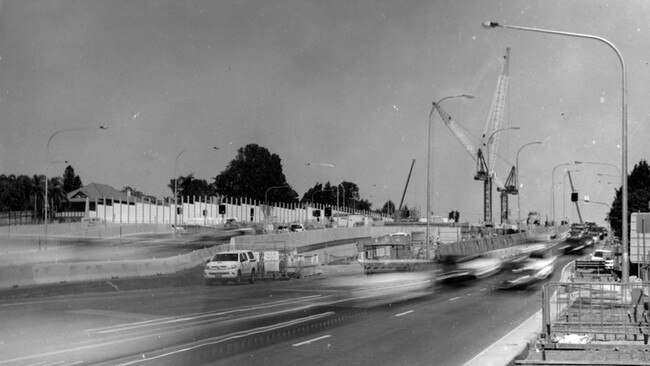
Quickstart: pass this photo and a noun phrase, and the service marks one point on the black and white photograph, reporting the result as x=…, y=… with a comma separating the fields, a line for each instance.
x=324, y=182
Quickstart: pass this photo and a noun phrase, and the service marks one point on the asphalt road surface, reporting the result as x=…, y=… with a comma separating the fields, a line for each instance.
x=344, y=318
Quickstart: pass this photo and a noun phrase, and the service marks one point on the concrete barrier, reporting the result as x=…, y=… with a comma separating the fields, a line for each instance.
x=16, y=276
x=50, y=273
x=482, y=245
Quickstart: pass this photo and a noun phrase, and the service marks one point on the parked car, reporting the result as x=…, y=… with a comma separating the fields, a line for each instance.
x=603, y=255
x=296, y=227
x=232, y=265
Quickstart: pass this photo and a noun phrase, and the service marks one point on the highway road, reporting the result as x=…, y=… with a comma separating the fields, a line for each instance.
x=449, y=327
x=340, y=318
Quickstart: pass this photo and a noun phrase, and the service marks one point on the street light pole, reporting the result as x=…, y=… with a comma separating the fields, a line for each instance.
x=468, y=96
x=176, y=180
x=47, y=158
x=489, y=142
x=517, y=179
x=624, y=209
x=266, y=198
x=553, y=190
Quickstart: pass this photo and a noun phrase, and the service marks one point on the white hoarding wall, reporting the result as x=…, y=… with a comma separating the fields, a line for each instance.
x=204, y=211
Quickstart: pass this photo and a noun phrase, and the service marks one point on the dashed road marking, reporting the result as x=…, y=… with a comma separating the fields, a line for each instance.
x=454, y=298
x=404, y=313
x=311, y=341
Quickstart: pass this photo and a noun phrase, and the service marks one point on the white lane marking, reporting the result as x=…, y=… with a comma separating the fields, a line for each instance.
x=483, y=289
x=191, y=346
x=311, y=341
x=404, y=313
x=213, y=341
x=195, y=316
x=454, y=298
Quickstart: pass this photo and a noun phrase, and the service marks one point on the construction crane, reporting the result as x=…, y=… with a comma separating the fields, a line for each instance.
x=490, y=139
x=408, y=179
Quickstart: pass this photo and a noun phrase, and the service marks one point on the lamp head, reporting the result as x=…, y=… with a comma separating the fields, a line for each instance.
x=102, y=127
x=488, y=24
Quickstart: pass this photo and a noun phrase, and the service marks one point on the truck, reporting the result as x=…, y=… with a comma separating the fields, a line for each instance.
x=232, y=265
x=236, y=265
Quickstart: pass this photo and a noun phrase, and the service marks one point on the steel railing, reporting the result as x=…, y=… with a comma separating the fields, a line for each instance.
x=603, y=311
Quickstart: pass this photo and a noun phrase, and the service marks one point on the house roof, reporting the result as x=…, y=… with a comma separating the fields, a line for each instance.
x=96, y=190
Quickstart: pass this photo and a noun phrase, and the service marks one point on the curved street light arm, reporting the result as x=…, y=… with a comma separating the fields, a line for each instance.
x=624, y=198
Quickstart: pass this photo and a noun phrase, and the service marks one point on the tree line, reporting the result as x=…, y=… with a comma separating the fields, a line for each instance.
x=257, y=174
x=254, y=173
x=25, y=193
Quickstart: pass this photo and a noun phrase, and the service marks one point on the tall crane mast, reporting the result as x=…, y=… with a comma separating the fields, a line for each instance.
x=463, y=137
x=408, y=179
x=485, y=167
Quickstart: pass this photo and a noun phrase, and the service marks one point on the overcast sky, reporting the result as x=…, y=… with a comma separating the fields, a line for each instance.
x=347, y=83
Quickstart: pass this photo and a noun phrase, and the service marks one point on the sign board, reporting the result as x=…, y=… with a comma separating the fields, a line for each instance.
x=639, y=241
x=643, y=223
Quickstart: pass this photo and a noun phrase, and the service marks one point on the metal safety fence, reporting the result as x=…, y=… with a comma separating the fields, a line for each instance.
x=603, y=311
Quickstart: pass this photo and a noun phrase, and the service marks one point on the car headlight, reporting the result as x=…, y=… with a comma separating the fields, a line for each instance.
x=232, y=266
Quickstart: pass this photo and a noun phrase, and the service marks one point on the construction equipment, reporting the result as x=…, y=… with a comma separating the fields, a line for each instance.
x=399, y=210
x=490, y=140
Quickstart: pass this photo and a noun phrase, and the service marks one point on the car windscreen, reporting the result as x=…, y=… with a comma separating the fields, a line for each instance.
x=226, y=257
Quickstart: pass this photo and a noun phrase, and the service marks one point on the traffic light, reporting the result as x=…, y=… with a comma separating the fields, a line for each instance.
x=574, y=196
x=456, y=216
x=205, y=212
x=316, y=213
x=328, y=211
x=179, y=210
x=450, y=216
x=222, y=209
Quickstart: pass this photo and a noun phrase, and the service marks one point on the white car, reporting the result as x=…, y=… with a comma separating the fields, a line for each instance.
x=603, y=255
x=233, y=265
x=296, y=227
x=538, y=266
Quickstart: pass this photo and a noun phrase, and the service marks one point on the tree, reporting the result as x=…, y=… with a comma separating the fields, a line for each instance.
x=388, y=208
x=191, y=187
x=348, y=195
x=314, y=193
x=638, y=186
x=252, y=173
x=71, y=181
x=56, y=195
x=11, y=197
x=38, y=191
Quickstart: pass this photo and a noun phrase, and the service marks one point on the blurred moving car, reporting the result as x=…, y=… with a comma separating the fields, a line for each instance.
x=538, y=266
x=458, y=269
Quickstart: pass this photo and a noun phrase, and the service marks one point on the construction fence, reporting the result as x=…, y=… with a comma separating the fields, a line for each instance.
x=204, y=211
x=600, y=311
